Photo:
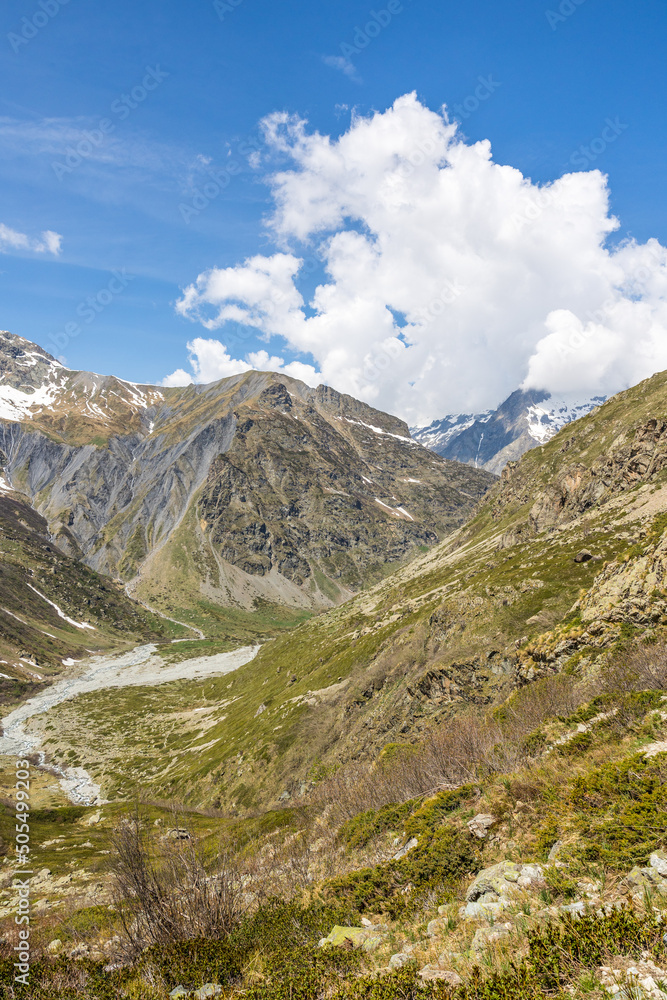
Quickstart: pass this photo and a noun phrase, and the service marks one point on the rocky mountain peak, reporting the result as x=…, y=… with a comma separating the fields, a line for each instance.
x=490, y=440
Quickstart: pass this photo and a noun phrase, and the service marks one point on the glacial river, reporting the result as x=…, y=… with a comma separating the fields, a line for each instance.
x=138, y=667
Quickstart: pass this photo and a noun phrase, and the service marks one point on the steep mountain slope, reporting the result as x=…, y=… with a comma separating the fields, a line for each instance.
x=53, y=609
x=252, y=488
x=489, y=440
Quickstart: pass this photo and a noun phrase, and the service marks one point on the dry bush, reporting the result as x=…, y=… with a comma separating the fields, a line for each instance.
x=164, y=891
x=474, y=744
x=548, y=698
x=457, y=751
x=452, y=753
x=643, y=668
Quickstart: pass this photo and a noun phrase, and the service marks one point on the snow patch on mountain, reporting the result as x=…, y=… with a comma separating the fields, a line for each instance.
x=377, y=430
x=17, y=405
x=438, y=434
x=490, y=439
x=547, y=418
x=60, y=612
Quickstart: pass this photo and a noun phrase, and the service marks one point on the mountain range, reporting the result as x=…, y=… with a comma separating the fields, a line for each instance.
x=397, y=586
x=254, y=490
x=558, y=565
x=491, y=439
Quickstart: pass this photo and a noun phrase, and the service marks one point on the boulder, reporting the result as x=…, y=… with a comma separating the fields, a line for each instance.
x=574, y=909
x=399, y=960
x=642, y=880
x=501, y=879
x=583, y=556
x=372, y=942
x=480, y=825
x=407, y=847
x=486, y=936
x=483, y=910
x=431, y=972
x=207, y=990
x=658, y=861
x=351, y=937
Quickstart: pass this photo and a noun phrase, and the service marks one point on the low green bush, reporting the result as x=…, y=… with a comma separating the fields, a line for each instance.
x=436, y=864
x=621, y=812
x=357, y=832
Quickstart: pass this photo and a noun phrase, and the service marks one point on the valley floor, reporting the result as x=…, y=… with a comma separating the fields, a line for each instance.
x=140, y=667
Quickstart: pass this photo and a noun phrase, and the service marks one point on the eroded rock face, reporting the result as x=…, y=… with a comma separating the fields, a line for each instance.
x=638, y=454
x=630, y=591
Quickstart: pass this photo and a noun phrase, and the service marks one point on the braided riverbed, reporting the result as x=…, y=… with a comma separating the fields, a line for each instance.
x=137, y=667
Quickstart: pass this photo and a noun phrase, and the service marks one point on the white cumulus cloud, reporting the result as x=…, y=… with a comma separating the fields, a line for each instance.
x=211, y=361
x=11, y=239
x=450, y=279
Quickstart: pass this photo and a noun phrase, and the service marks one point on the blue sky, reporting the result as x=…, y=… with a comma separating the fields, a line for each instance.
x=203, y=77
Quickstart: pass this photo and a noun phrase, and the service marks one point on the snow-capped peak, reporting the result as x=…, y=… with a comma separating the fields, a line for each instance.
x=441, y=431
x=547, y=418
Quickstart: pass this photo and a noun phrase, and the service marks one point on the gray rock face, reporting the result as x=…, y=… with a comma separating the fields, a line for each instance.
x=108, y=497
x=658, y=861
x=407, y=847
x=497, y=887
x=399, y=960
